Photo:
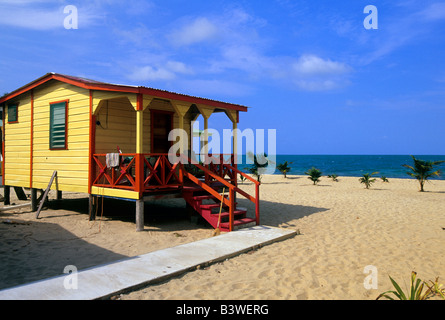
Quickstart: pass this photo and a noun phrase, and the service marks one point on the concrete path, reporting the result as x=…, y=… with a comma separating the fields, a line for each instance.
x=108, y=280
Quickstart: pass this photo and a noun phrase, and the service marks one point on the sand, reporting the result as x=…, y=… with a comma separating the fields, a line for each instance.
x=343, y=229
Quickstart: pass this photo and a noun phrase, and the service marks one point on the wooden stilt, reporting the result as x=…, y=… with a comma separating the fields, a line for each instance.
x=92, y=204
x=139, y=215
x=7, y=200
x=33, y=200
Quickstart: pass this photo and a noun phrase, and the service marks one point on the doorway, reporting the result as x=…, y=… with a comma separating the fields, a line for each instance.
x=161, y=125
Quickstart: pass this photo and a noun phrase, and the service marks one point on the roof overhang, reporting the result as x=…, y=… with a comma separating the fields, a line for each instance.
x=102, y=86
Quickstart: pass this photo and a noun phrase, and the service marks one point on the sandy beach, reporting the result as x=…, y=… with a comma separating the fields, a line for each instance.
x=343, y=229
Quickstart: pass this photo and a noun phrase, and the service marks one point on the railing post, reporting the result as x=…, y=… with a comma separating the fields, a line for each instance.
x=231, y=208
x=257, y=204
x=235, y=165
x=139, y=172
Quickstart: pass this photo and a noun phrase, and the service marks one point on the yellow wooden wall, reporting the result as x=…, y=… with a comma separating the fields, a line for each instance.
x=117, y=127
x=71, y=164
x=17, y=144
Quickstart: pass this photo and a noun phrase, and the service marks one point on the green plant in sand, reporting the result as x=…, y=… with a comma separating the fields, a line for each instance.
x=367, y=179
x=415, y=291
x=260, y=163
x=384, y=179
x=284, y=168
x=314, y=175
x=334, y=177
x=423, y=170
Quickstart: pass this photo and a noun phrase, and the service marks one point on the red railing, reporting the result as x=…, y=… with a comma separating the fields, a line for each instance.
x=224, y=169
x=148, y=172
x=120, y=177
x=223, y=165
x=155, y=172
x=160, y=173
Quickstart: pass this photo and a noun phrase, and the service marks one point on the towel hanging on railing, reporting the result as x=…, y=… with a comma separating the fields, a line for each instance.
x=112, y=160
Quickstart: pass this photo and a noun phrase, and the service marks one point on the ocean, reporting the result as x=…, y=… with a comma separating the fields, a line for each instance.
x=389, y=166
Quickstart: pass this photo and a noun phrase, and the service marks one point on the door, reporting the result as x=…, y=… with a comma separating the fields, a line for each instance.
x=161, y=125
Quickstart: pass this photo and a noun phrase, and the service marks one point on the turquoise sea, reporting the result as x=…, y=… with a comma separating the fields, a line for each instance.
x=353, y=165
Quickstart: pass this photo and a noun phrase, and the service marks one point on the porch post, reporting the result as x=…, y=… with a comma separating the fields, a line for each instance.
x=206, y=113
x=235, y=139
x=181, y=109
x=139, y=146
x=139, y=156
x=234, y=117
x=139, y=163
x=139, y=215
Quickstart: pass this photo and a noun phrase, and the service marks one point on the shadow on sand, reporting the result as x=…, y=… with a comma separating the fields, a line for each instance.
x=172, y=215
x=27, y=248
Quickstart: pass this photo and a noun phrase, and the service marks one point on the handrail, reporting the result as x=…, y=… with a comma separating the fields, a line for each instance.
x=232, y=188
x=207, y=171
x=206, y=187
x=243, y=174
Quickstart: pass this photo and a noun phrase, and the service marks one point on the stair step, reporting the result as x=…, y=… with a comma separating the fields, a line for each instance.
x=226, y=214
x=237, y=224
x=210, y=206
x=207, y=197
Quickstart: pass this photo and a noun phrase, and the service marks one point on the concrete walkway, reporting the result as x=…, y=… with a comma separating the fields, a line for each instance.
x=107, y=280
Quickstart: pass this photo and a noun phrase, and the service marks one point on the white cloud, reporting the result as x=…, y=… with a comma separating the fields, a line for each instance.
x=214, y=88
x=313, y=65
x=313, y=73
x=41, y=14
x=38, y=19
x=178, y=67
x=148, y=73
x=402, y=30
x=164, y=71
x=200, y=30
x=231, y=49
x=318, y=85
x=435, y=11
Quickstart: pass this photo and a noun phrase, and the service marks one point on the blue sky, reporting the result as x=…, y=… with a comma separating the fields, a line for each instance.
x=308, y=69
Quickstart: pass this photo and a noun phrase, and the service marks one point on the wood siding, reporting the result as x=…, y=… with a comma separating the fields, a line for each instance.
x=31, y=162
x=18, y=145
x=71, y=164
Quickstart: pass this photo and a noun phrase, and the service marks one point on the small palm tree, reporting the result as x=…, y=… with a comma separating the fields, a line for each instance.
x=384, y=179
x=423, y=170
x=366, y=179
x=260, y=163
x=314, y=175
x=284, y=168
x=333, y=177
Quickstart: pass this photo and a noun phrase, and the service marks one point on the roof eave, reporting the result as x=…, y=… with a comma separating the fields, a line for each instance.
x=94, y=85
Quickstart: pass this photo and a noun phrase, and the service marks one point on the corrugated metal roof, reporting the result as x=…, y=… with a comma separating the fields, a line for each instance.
x=99, y=85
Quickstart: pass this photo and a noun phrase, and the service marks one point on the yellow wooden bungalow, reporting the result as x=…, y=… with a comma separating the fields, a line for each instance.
x=111, y=140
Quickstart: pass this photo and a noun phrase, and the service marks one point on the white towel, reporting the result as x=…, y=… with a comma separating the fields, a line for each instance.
x=112, y=160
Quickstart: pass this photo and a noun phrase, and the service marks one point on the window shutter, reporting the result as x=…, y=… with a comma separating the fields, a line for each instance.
x=57, y=135
x=12, y=113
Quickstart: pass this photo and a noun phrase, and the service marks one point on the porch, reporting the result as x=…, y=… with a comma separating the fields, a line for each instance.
x=131, y=156
x=140, y=177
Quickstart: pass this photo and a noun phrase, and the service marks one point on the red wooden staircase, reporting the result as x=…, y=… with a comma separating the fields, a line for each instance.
x=208, y=206
x=206, y=198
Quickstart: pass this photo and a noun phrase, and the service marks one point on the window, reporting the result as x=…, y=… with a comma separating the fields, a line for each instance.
x=58, y=125
x=13, y=113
